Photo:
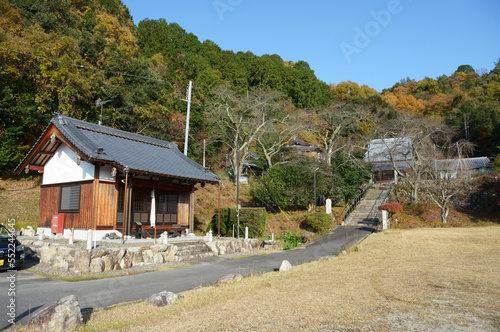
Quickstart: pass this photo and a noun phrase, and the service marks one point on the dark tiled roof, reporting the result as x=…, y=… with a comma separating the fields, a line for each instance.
x=378, y=149
x=140, y=153
x=463, y=163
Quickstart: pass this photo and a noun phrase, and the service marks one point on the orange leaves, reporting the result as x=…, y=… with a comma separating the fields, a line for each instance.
x=410, y=104
x=438, y=104
x=392, y=207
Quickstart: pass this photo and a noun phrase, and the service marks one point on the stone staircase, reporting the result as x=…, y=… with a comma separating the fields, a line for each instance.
x=366, y=211
x=192, y=250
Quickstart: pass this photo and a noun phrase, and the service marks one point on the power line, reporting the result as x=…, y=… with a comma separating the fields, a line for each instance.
x=82, y=66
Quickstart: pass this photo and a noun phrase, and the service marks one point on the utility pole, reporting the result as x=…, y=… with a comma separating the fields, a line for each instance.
x=315, y=188
x=238, y=190
x=98, y=103
x=238, y=185
x=187, y=118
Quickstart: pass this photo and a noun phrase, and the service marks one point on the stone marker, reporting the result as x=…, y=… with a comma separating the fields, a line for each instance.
x=163, y=298
x=329, y=206
x=63, y=315
x=285, y=266
x=229, y=278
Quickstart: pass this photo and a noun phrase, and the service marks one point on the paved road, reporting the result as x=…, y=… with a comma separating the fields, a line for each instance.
x=33, y=292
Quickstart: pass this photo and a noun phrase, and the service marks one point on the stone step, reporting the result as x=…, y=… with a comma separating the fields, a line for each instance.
x=367, y=206
x=192, y=250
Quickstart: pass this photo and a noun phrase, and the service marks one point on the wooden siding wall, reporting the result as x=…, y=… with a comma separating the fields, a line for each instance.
x=107, y=200
x=183, y=209
x=49, y=205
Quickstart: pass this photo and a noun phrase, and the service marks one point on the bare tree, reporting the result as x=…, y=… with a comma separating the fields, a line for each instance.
x=447, y=178
x=409, y=147
x=243, y=119
x=334, y=125
x=280, y=134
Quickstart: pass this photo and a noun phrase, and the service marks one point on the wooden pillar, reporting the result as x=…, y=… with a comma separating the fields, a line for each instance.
x=125, y=204
x=191, y=211
x=96, y=205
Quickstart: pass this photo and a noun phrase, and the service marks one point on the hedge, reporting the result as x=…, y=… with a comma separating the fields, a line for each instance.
x=254, y=218
x=318, y=222
x=392, y=207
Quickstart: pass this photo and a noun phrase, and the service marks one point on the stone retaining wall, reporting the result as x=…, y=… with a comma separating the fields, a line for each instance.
x=99, y=260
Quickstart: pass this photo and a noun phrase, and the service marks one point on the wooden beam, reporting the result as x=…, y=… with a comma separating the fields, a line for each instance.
x=47, y=153
x=36, y=168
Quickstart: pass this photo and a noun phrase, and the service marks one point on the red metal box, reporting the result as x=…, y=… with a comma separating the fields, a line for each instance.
x=57, y=224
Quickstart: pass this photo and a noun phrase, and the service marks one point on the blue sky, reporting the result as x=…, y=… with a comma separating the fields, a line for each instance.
x=376, y=42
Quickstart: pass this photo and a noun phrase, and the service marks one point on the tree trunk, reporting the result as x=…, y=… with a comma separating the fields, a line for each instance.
x=414, y=195
x=444, y=213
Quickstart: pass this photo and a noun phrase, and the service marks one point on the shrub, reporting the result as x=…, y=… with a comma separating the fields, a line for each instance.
x=391, y=207
x=253, y=218
x=291, y=240
x=318, y=222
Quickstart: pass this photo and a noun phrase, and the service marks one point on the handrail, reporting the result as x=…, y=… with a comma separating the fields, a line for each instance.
x=356, y=201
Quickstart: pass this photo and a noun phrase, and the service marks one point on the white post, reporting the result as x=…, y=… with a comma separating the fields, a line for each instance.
x=272, y=237
x=246, y=233
x=384, y=220
x=164, y=239
x=89, y=239
x=210, y=236
x=187, y=119
x=329, y=206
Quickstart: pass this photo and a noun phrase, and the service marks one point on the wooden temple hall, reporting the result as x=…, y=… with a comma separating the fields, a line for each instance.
x=100, y=178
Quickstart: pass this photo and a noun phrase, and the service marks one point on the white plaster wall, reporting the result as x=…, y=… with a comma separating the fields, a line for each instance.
x=62, y=167
x=105, y=173
x=79, y=234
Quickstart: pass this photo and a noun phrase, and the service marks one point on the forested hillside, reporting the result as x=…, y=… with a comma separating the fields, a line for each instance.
x=62, y=56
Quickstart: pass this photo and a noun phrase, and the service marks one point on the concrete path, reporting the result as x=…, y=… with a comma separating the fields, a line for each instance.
x=33, y=292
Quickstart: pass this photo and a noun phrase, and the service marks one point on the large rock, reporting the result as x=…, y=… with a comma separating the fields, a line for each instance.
x=163, y=298
x=97, y=265
x=169, y=255
x=156, y=248
x=63, y=315
x=82, y=261
x=134, y=254
x=98, y=253
x=285, y=266
x=229, y=278
x=125, y=263
x=47, y=254
x=147, y=256
x=158, y=258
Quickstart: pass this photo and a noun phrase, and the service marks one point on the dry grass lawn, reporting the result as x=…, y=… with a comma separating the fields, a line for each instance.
x=409, y=280
x=19, y=200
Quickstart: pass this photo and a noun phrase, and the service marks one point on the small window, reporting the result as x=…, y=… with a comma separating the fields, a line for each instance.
x=69, y=199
